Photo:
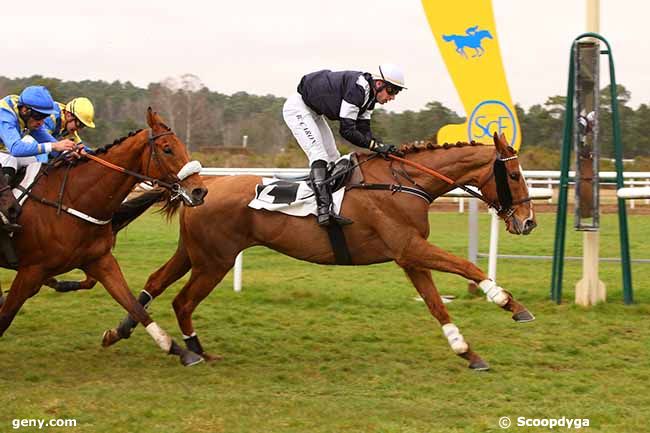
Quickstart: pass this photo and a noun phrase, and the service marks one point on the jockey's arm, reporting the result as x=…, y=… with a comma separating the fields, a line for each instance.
x=19, y=146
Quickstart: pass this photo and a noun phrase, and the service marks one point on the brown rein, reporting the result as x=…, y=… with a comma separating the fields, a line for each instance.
x=444, y=178
x=175, y=187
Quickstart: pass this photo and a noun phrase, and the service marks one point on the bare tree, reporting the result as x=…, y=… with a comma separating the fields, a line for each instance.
x=188, y=85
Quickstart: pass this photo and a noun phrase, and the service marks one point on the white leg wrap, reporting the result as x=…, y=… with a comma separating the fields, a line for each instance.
x=159, y=336
x=455, y=338
x=494, y=292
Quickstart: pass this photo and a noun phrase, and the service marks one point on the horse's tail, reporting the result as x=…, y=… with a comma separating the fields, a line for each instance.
x=131, y=209
x=448, y=38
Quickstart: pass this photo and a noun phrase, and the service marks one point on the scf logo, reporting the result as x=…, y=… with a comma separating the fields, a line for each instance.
x=489, y=117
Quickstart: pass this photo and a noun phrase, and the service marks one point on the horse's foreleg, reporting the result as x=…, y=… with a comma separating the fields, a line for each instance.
x=201, y=283
x=423, y=282
x=421, y=254
x=71, y=286
x=26, y=284
x=108, y=272
x=175, y=268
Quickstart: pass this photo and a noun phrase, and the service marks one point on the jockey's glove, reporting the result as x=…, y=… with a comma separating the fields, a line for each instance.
x=381, y=148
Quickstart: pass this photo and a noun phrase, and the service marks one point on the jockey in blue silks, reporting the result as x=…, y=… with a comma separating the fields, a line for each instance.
x=22, y=131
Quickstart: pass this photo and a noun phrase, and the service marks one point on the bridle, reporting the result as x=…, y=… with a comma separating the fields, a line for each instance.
x=175, y=187
x=504, y=205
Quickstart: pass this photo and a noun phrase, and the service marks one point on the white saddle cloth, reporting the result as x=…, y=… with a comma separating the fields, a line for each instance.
x=279, y=195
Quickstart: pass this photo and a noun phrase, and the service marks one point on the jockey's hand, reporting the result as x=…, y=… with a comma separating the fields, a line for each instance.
x=63, y=145
x=382, y=148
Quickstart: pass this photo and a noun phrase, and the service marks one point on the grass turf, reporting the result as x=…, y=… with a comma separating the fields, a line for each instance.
x=334, y=349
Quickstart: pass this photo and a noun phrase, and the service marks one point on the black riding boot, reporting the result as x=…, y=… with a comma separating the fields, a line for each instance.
x=323, y=194
x=9, y=225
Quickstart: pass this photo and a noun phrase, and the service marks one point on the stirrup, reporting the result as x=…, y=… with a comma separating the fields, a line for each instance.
x=323, y=219
x=340, y=220
x=11, y=227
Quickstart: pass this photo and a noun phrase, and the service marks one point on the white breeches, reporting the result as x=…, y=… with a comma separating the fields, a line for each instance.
x=311, y=130
x=8, y=160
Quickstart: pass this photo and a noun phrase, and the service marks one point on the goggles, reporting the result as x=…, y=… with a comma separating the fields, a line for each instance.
x=393, y=90
x=37, y=115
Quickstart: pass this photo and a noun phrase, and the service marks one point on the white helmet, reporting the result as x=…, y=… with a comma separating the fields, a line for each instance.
x=391, y=74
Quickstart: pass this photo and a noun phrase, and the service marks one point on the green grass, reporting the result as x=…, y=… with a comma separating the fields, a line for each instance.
x=324, y=349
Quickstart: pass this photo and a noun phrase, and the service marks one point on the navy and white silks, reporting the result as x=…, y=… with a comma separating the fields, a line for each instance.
x=345, y=96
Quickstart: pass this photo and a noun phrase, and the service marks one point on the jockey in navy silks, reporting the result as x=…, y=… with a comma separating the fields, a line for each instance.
x=348, y=97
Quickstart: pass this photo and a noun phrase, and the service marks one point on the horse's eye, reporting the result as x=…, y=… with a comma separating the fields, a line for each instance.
x=514, y=175
x=167, y=149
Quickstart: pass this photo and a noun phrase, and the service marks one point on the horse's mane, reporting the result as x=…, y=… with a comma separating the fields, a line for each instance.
x=428, y=145
x=116, y=142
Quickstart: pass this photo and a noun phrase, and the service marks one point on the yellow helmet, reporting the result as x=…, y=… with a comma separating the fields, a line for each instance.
x=83, y=110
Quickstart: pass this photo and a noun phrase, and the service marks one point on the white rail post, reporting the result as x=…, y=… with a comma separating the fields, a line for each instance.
x=237, y=275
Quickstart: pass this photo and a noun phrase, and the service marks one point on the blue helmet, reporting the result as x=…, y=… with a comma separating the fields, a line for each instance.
x=37, y=98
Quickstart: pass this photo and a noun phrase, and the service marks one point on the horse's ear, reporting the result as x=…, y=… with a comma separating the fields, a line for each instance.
x=154, y=119
x=500, y=142
x=151, y=121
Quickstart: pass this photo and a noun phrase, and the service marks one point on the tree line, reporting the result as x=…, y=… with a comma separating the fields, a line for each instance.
x=209, y=121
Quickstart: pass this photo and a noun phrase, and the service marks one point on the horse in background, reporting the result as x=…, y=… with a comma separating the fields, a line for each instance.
x=87, y=194
x=472, y=39
x=387, y=227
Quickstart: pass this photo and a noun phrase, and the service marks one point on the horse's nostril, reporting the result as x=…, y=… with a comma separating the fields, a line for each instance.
x=529, y=225
x=199, y=193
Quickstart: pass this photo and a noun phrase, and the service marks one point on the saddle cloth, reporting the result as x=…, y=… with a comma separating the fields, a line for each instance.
x=31, y=171
x=296, y=197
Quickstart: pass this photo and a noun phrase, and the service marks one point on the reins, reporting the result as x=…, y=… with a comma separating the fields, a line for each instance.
x=189, y=168
x=445, y=179
x=142, y=177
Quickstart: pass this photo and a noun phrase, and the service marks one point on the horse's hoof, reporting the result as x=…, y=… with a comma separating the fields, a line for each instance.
x=523, y=317
x=479, y=365
x=211, y=358
x=110, y=337
x=189, y=358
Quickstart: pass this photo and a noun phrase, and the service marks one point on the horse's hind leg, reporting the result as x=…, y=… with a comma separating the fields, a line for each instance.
x=423, y=282
x=421, y=254
x=174, y=269
x=201, y=283
x=26, y=284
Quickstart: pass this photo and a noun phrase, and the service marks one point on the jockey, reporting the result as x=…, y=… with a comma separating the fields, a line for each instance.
x=70, y=118
x=346, y=96
x=22, y=130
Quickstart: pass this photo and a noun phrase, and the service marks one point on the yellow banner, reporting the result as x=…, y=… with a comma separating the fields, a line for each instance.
x=466, y=35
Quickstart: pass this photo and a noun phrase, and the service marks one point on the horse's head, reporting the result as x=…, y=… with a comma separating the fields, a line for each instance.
x=506, y=187
x=171, y=162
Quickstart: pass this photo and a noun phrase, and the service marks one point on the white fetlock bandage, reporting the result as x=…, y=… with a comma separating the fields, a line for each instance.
x=159, y=336
x=494, y=293
x=455, y=338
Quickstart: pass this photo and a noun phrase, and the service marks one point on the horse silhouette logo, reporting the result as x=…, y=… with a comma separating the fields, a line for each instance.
x=471, y=39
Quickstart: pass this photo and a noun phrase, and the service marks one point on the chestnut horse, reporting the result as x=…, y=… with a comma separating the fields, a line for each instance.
x=80, y=237
x=386, y=227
